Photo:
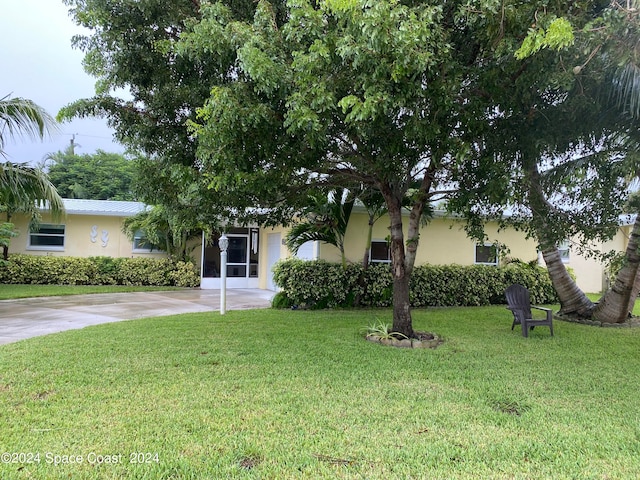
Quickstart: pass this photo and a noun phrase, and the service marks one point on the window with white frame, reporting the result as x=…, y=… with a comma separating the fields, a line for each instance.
x=379, y=252
x=486, y=254
x=564, y=250
x=46, y=236
x=141, y=243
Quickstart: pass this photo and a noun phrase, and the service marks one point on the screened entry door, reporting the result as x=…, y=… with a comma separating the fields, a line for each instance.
x=242, y=260
x=238, y=256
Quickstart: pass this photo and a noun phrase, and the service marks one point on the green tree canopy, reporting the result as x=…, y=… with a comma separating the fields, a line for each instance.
x=98, y=176
x=341, y=93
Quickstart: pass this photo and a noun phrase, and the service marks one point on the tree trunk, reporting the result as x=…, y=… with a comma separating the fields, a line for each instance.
x=5, y=248
x=614, y=305
x=634, y=293
x=572, y=298
x=367, y=250
x=402, y=321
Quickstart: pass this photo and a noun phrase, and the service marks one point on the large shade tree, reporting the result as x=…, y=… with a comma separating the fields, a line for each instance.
x=342, y=92
x=381, y=94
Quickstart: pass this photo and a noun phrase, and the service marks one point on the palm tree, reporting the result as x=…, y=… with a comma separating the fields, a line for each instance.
x=572, y=299
x=614, y=306
x=621, y=61
x=24, y=188
x=376, y=207
x=20, y=117
x=326, y=221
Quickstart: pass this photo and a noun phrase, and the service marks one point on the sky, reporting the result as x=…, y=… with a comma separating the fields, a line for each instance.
x=38, y=62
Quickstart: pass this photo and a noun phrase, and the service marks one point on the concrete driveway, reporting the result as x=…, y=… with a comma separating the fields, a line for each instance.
x=31, y=317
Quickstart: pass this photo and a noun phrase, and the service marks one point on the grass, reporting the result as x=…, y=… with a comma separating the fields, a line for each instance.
x=9, y=291
x=300, y=394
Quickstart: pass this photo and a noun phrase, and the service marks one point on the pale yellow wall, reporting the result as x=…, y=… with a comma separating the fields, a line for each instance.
x=194, y=250
x=590, y=273
x=78, y=236
x=442, y=241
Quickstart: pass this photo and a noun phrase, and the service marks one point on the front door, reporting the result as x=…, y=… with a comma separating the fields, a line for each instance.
x=273, y=255
x=242, y=260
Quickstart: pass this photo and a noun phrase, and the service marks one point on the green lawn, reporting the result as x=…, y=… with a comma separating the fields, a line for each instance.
x=299, y=394
x=9, y=291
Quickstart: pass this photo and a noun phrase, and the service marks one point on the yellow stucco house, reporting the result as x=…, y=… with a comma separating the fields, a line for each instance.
x=94, y=228
x=90, y=228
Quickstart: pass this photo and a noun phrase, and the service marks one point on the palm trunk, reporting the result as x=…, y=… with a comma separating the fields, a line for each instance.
x=634, y=293
x=343, y=257
x=614, y=305
x=572, y=299
x=367, y=250
x=5, y=248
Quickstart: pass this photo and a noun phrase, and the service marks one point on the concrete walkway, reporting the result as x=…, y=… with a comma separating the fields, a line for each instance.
x=31, y=317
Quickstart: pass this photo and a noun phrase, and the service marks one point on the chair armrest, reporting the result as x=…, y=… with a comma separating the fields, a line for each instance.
x=546, y=310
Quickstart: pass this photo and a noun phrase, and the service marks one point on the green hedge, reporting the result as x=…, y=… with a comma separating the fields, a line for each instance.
x=31, y=269
x=320, y=284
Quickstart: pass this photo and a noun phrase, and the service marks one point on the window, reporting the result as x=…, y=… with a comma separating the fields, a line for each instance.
x=379, y=252
x=141, y=243
x=564, y=249
x=46, y=236
x=486, y=254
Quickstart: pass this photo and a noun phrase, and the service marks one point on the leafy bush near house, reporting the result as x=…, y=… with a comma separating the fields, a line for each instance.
x=280, y=300
x=320, y=284
x=185, y=274
x=30, y=269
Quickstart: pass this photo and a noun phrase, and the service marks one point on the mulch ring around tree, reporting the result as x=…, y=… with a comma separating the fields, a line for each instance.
x=422, y=340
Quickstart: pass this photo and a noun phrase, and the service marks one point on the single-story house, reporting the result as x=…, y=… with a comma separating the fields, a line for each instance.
x=94, y=228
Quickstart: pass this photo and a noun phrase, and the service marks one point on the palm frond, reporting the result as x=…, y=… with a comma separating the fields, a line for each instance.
x=23, y=117
x=25, y=188
x=627, y=88
x=302, y=233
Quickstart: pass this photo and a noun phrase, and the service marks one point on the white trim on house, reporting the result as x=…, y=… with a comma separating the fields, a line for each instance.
x=487, y=251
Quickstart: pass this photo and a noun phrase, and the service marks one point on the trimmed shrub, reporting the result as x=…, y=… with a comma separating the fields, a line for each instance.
x=185, y=274
x=317, y=284
x=280, y=300
x=320, y=284
x=30, y=269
